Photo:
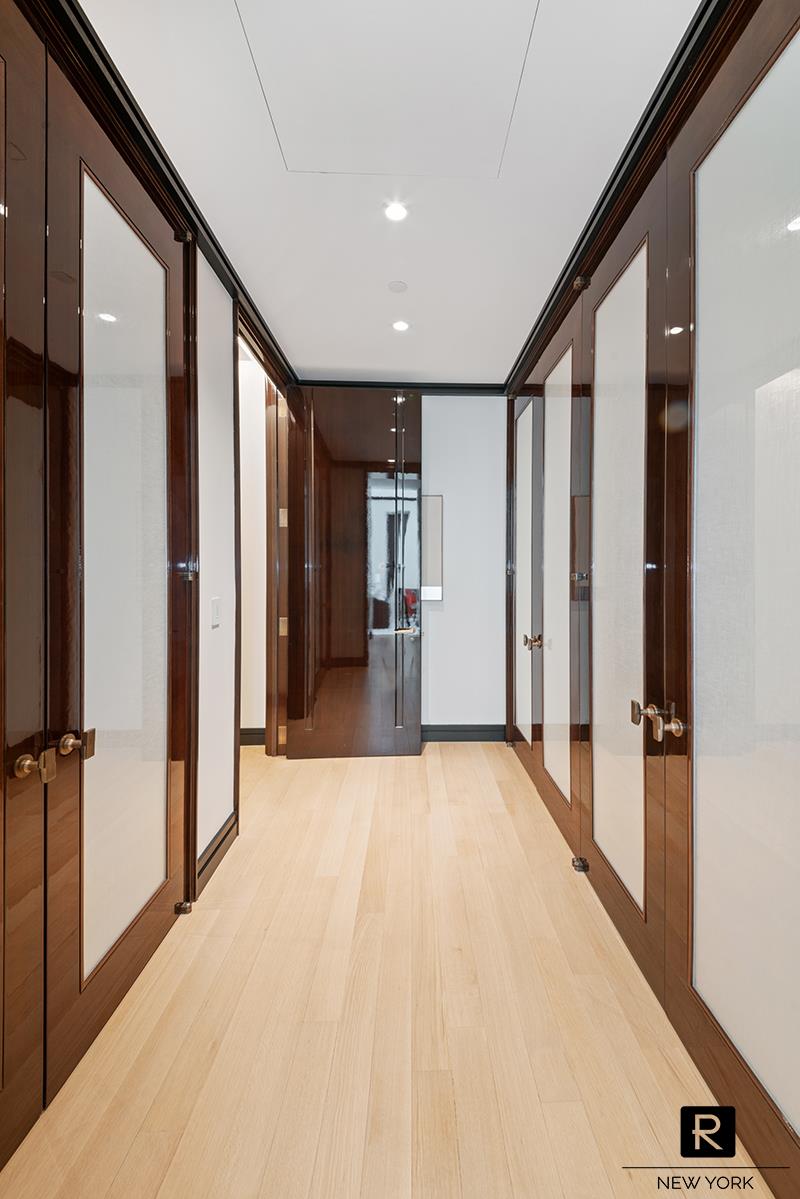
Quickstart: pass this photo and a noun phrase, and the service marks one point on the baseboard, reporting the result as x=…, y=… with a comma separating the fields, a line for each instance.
x=463, y=732
x=252, y=737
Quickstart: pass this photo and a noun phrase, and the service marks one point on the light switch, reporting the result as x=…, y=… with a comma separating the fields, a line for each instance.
x=215, y=607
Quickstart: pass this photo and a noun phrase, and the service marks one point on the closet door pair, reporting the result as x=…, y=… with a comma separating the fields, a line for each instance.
x=590, y=432
x=97, y=671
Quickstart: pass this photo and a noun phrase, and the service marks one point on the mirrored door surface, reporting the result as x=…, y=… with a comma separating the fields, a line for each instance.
x=121, y=574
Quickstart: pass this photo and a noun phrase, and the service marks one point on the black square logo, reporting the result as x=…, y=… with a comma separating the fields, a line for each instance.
x=708, y=1131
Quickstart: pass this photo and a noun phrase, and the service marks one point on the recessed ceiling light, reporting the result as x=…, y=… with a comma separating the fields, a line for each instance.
x=106, y=316
x=675, y=330
x=401, y=326
x=396, y=211
x=398, y=286
x=794, y=226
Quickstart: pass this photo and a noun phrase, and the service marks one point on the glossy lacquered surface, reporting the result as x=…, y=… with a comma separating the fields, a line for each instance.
x=711, y=928
x=22, y=264
x=355, y=573
x=77, y=1008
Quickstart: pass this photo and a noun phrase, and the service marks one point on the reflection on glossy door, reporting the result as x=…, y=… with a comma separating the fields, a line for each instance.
x=356, y=573
x=523, y=607
x=746, y=572
x=125, y=568
x=556, y=572
x=618, y=508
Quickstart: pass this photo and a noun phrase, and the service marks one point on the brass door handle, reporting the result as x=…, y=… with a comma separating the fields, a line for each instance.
x=532, y=642
x=655, y=716
x=673, y=725
x=26, y=764
x=407, y=632
x=85, y=744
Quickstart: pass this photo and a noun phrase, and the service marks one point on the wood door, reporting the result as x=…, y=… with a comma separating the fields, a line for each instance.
x=733, y=821
x=355, y=573
x=22, y=265
x=559, y=485
x=121, y=568
x=622, y=783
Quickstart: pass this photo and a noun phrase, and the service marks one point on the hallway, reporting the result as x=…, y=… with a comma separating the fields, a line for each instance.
x=393, y=985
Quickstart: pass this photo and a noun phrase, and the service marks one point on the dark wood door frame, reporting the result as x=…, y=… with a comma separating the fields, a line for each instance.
x=77, y=1007
x=642, y=929
x=276, y=549
x=565, y=810
x=22, y=695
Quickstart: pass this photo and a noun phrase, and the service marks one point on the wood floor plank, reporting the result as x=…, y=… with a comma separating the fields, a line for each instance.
x=393, y=987
x=436, y=1171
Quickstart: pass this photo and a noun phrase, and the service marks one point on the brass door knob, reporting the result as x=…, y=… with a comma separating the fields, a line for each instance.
x=71, y=741
x=25, y=764
x=45, y=764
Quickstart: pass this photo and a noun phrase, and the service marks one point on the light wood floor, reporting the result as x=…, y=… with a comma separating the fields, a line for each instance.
x=395, y=985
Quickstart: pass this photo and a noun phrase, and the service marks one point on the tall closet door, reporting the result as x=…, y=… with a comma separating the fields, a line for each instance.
x=524, y=640
x=623, y=786
x=121, y=577
x=558, y=486
x=22, y=266
x=733, y=651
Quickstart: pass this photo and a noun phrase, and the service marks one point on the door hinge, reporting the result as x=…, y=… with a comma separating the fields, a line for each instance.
x=581, y=865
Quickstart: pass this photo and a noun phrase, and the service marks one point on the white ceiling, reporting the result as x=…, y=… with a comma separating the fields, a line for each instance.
x=293, y=122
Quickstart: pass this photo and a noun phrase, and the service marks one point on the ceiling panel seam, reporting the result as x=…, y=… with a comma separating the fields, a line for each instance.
x=261, y=85
x=519, y=85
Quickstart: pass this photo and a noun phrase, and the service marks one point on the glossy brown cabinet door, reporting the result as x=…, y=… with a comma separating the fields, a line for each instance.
x=22, y=264
x=119, y=570
x=557, y=494
x=622, y=637
x=355, y=561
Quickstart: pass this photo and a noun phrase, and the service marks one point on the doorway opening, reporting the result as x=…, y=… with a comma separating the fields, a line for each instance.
x=263, y=537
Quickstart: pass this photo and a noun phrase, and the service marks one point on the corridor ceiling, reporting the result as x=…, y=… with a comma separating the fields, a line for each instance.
x=294, y=122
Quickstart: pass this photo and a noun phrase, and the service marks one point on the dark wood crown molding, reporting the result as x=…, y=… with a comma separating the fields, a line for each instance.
x=75, y=46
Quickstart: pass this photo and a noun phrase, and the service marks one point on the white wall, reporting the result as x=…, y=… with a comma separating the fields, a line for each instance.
x=463, y=654
x=215, y=361
x=253, y=483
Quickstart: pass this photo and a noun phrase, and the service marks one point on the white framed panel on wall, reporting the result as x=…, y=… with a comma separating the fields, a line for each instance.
x=125, y=573
x=216, y=364
x=556, y=558
x=746, y=575
x=618, y=514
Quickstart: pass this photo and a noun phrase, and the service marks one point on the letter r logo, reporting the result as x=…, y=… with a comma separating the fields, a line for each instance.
x=703, y=1118
x=708, y=1131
